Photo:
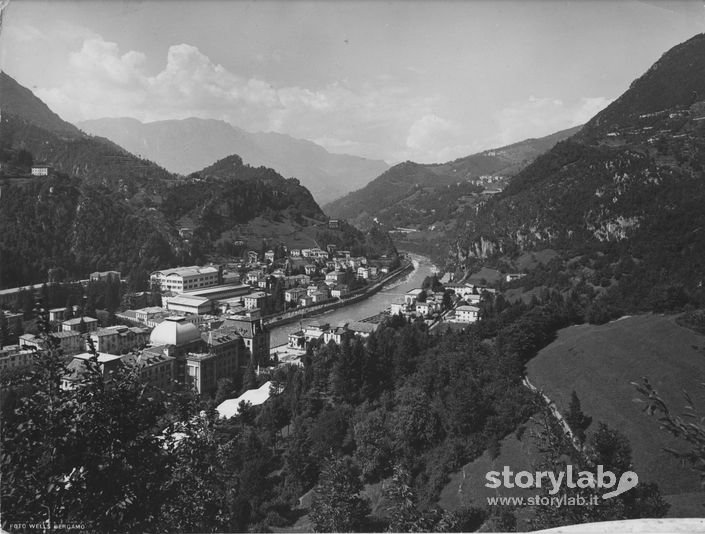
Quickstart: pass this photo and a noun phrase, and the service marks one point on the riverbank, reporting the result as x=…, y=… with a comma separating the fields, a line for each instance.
x=279, y=319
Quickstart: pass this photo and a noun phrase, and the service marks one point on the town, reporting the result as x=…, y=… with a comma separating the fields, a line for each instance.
x=200, y=324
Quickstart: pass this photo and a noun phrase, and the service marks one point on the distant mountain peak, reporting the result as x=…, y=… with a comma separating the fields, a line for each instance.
x=188, y=145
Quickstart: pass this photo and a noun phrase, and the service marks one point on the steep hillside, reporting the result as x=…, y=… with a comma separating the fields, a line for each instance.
x=224, y=197
x=66, y=226
x=379, y=197
x=20, y=101
x=622, y=200
x=185, y=146
x=599, y=363
x=27, y=123
x=103, y=208
x=433, y=203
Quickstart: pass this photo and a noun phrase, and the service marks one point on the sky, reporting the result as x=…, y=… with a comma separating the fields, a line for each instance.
x=421, y=80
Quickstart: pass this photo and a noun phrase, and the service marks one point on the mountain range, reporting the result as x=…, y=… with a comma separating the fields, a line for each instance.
x=433, y=202
x=104, y=208
x=185, y=146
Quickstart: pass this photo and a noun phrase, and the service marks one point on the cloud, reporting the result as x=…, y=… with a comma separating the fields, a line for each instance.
x=104, y=62
x=536, y=117
x=380, y=118
x=375, y=119
x=434, y=139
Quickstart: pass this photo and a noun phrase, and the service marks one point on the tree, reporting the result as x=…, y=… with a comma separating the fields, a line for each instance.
x=34, y=465
x=337, y=505
x=91, y=454
x=374, y=445
x=225, y=390
x=416, y=423
x=24, y=158
x=111, y=297
x=249, y=379
x=407, y=517
x=300, y=466
x=605, y=447
x=447, y=302
x=199, y=489
x=26, y=299
x=688, y=427
x=4, y=334
x=576, y=419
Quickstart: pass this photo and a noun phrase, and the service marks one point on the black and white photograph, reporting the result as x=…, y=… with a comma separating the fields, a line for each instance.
x=352, y=266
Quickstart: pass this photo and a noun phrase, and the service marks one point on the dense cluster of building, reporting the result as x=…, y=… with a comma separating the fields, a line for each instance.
x=318, y=331
x=209, y=324
x=424, y=303
x=175, y=353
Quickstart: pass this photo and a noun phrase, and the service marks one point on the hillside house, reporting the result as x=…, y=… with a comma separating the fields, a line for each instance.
x=254, y=300
x=412, y=296
x=182, y=279
x=315, y=330
x=397, y=308
x=294, y=294
x=335, y=277
x=189, y=304
x=320, y=296
x=70, y=342
x=13, y=356
x=41, y=170
x=425, y=308
x=119, y=339
x=466, y=314
x=74, y=325
x=339, y=291
x=59, y=314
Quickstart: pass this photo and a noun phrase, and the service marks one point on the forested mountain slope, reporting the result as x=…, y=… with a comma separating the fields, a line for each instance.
x=622, y=200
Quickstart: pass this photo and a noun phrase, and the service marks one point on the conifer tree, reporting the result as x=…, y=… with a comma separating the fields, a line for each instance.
x=337, y=505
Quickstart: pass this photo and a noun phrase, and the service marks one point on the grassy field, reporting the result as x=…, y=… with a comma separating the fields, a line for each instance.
x=485, y=275
x=285, y=231
x=599, y=362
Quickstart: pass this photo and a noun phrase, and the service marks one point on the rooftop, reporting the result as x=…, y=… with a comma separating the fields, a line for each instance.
x=192, y=270
x=365, y=328
x=215, y=290
x=64, y=335
x=216, y=337
x=318, y=323
x=102, y=357
x=255, y=397
x=189, y=300
x=77, y=320
x=174, y=331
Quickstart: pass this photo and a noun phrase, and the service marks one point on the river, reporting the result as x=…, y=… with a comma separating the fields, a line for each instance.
x=368, y=307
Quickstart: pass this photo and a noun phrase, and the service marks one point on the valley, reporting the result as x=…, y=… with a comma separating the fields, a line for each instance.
x=538, y=306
